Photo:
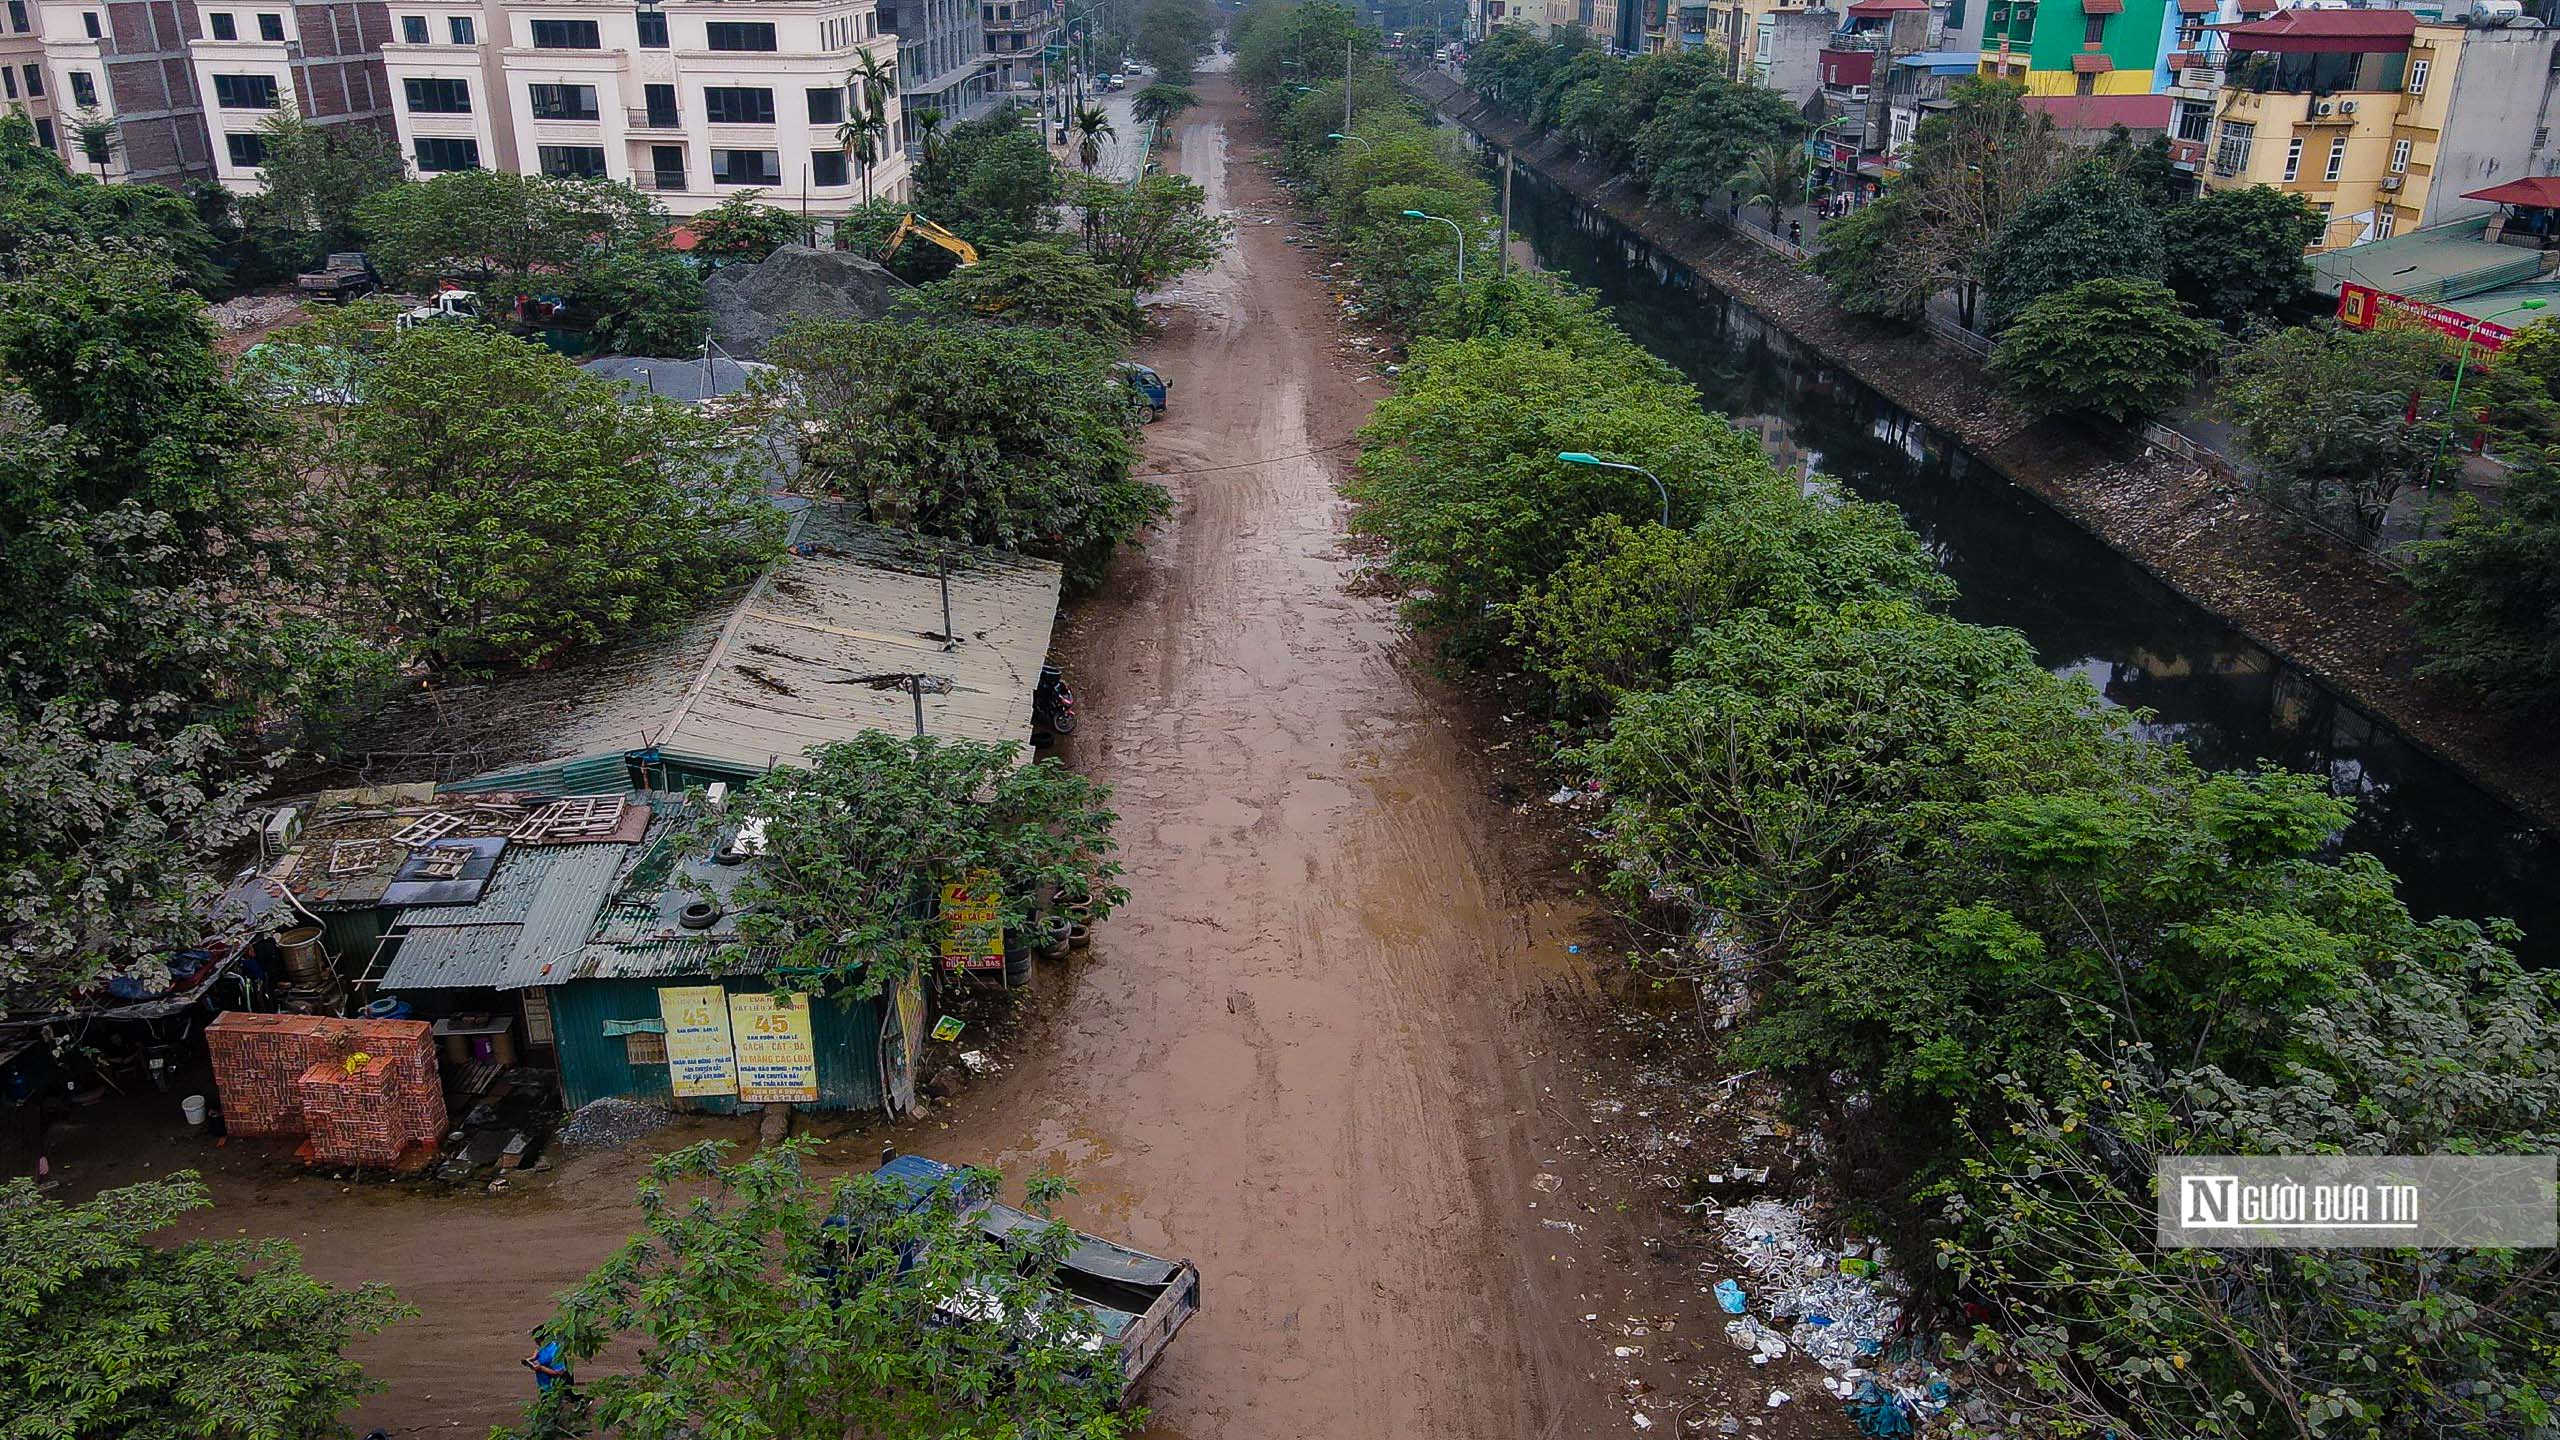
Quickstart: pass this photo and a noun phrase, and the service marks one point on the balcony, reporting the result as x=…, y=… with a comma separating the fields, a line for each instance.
x=658, y=182
x=659, y=121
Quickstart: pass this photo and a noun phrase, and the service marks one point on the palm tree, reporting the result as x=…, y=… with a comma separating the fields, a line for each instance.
x=873, y=81
x=1091, y=127
x=1159, y=103
x=97, y=137
x=929, y=134
x=864, y=136
x=1773, y=176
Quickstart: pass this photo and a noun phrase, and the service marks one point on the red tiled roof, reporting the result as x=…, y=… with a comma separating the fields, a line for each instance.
x=2091, y=64
x=2101, y=7
x=2137, y=113
x=2195, y=7
x=2301, y=31
x=1865, y=8
x=2537, y=190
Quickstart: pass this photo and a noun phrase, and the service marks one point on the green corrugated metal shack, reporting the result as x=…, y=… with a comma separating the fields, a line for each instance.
x=594, y=1025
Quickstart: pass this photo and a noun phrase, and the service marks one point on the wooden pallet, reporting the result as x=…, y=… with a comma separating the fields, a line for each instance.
x=584, y=817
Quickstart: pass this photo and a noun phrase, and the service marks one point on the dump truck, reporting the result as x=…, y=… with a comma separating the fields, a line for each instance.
x=347, y=275
x=1138, y=1302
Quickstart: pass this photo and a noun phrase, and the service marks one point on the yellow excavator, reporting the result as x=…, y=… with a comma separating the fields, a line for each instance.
x=917, y=225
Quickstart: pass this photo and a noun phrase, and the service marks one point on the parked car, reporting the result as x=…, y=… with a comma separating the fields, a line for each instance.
x=346, y=275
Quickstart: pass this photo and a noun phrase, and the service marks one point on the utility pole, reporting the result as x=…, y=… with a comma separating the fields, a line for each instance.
x=1346, y=84
x=915, y=687
x=1502, y=255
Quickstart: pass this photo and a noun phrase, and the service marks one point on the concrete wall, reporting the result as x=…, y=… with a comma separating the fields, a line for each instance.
x=2497, y=119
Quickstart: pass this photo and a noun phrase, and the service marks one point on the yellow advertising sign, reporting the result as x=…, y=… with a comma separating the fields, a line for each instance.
x=699, y=1060
x=972, y=933
x=777, y=1060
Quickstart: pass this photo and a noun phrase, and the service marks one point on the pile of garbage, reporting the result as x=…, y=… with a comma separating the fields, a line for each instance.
x=1833, y=1304
x=751, y=305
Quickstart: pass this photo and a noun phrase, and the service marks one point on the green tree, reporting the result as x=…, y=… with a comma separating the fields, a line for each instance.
x=1012, y=436
x=1150, y=232
x=2089, y=225
x=104, y=1333
x=646, y=300
x=1692, y=150
x=108, y=848
x=1971, y=167
x=44, y=208
x=503, y=234
x=1159, y=103
x=2235, y=256
x=97, y=136
x=1867, y=264
x=994, y=183
x=743, y=228
x=1092, y=127
x=1773, y=176
x=2118, y=348
x=2335, y=423
x=858, y=846
x=498, y=506
x=1299, y=42
x=317, y=175
x=1169, y=35
x=2489, y=593
x=1040, y=283
x=760, y=1300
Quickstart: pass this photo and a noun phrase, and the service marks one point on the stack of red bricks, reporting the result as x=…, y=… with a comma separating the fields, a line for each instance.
x=296, y=1075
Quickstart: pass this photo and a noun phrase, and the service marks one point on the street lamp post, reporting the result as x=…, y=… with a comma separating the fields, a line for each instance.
x=1577, y=457
x=1809, y=140
x=1454, y=229
x=2453, y=404
x=1348, y=139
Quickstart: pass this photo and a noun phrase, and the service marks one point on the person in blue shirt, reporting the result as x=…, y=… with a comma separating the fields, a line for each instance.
x=549, y=1370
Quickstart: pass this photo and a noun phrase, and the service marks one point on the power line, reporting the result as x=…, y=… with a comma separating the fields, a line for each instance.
x=1245, y=464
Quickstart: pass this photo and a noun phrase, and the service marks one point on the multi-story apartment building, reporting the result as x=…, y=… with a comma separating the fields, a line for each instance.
x=691, y=100
x=2078, y=47
x=1018, y=33
x=126, y=64
x=23, y=86
x=254, y=57
x=942, y=60
x=2380, y=120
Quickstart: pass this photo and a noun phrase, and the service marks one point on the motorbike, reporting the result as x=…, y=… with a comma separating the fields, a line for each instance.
x=1053, y=705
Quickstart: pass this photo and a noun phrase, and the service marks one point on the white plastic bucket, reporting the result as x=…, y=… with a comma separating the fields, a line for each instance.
x=193, y=1105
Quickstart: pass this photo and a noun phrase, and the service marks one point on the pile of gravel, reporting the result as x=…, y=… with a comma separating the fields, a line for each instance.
x=751, y=304
x=610, y=1122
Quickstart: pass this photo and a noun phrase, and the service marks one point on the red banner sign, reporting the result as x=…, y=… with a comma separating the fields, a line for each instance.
x=2361, y=307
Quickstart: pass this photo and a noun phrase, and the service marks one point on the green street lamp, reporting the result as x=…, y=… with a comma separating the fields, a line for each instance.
x=1454, y=229
x=1809, y=142
x=1577, y=457
x=1348, y=139
x=2453, y=404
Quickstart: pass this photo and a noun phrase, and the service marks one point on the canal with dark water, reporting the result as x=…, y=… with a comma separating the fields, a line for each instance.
x=2087, y=610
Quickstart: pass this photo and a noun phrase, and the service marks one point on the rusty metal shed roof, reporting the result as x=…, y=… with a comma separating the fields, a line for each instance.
x=539, y=907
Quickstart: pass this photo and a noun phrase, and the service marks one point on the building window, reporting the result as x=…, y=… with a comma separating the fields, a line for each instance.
x=2231, y=150
x=2095, y=33
x=413, y=29
x=736, y=105
x=2293, y=158
x=2418, y=76
x=641, y=1047
x=8, y=83
x=245, y=92
x=738, y=35
x=438, y=97
x=271, y=27
x=44, y=131
x=564, y=102
x=463, y=30
x=653, y=29
x=666, y=167
x=2399, y=157
x=826, y=107
x=18, y=16
x=248, y=152
x=35, y=82
x=2084, y=83
x=746, y=167
x=572, y=162
x=89, y=23
x=436, y=154
x=2383, y=220
x=2195, y=121
x=2337, y=158
x=225, y=27
x=827, y=169
x=662, y=105
x=566, y=35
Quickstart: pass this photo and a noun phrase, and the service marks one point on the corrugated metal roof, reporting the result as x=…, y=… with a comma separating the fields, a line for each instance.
x=539, y=907
x=606, y=774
